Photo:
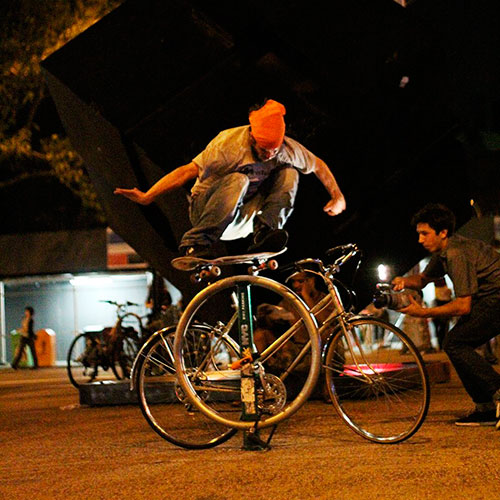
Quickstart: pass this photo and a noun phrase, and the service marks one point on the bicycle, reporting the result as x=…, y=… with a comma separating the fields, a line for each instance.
x=379, y=393
x=93, y=354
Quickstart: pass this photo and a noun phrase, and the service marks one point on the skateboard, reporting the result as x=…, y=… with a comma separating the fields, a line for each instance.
x=211, y=267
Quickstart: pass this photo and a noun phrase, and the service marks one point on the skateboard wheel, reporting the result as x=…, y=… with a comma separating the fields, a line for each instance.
x=205, y=274
x=272, y=264
x=215, y=271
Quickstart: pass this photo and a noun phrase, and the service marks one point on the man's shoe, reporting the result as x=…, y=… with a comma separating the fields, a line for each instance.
x=199, y=251
x=268, y=240
x=478, y=418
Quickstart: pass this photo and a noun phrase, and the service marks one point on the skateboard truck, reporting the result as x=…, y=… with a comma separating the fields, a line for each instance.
x=206, y=273
x=270, y=264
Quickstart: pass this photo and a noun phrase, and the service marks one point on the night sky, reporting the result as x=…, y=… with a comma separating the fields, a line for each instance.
x=402, y=103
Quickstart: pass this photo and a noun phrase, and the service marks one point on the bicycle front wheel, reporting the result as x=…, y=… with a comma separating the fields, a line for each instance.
x=163, y=402
x=377, y=380
x=284, y=371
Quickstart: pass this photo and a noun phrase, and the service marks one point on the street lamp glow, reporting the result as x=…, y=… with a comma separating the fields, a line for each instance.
x=383, y=272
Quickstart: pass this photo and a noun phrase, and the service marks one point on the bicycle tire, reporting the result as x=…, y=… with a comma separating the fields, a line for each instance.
x=126, y=345
x=380, y=392
x=162, y=402
x=218, y=395
x=84, y=360
x=123, y=353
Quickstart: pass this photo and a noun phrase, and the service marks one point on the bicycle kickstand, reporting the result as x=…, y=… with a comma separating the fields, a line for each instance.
x=253, y=442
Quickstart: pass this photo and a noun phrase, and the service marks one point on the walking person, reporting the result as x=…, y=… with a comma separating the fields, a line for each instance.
x=27, y=338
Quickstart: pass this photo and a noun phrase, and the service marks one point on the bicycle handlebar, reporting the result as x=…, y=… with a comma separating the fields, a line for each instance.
x=347, y=252
x=113, y=303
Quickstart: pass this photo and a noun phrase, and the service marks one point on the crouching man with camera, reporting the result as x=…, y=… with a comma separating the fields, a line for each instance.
x=474, y=269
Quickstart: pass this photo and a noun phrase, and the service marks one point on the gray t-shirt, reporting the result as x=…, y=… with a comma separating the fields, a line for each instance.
x=230, y=151
x=472, y=265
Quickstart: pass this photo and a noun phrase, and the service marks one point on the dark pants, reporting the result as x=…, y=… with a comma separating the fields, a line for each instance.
x=479, y=378
x=23, y=342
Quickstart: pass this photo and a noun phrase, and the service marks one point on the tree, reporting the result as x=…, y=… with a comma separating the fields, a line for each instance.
x=34, y=149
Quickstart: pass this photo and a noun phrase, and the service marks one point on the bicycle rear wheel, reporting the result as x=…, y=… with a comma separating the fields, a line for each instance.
x=378, y=384
x=84, y=362
x=162, y=401
x=285, y=371
x=123, y=353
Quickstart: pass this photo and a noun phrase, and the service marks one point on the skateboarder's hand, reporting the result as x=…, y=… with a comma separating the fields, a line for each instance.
x=335, y=206
x=134, y=195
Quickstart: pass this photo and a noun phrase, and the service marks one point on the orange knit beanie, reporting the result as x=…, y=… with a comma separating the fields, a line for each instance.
x=268, y=124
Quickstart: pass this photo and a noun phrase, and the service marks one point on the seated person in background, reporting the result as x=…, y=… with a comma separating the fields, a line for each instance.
x=274, y=320
x=167, y=314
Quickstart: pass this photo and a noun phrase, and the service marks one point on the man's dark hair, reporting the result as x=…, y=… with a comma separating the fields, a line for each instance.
x=256, y=106
x=438, y=217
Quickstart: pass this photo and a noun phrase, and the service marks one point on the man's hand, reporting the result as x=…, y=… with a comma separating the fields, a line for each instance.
x=414, y=309
x=134, y=195
x=398, y=283
x=335, y=206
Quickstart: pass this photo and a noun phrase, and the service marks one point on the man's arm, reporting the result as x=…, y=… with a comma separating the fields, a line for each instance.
x=461, y=306
x=169, y=182
x=337, y=204
x=414, y=281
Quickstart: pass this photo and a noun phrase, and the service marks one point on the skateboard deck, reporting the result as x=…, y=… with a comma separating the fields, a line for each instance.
x=192, y=263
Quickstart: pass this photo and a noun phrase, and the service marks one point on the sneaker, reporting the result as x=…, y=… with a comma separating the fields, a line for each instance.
x=478, y=418
x=268, y=240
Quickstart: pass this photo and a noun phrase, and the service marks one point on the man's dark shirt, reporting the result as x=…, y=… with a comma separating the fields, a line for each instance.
x=472, y=265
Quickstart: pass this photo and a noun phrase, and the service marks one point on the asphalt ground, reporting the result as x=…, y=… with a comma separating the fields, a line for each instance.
x=51, y=447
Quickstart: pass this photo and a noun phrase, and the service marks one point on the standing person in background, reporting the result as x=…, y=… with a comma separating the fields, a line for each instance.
x=27, y=338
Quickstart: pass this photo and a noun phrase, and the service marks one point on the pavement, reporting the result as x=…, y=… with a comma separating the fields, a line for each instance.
x=51, y=447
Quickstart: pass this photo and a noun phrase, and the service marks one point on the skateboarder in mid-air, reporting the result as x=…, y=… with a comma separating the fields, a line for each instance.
x=246, y=182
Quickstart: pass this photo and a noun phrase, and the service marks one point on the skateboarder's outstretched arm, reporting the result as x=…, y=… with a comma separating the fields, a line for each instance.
x=169, y=182
x=337, y=204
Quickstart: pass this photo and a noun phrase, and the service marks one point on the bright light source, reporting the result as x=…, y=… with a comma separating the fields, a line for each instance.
x=91, y=281
x=384, y=272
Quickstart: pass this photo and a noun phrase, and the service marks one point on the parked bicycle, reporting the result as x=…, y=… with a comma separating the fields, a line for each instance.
x=197, y=387
x=109, y=352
